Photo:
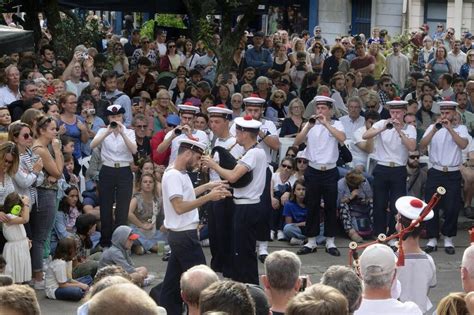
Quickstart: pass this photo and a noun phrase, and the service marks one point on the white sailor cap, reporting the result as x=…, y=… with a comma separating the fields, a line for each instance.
x=188, y=108
x=254, y=100
x=247, y=123
x=411, y=208
x=301, y=155
x=447, y=104
x=114, y=109
x=193, y=144
x=397, y=103
x=220, y=111
x=324, y=100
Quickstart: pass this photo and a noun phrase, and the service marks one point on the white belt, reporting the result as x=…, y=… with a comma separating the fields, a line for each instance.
x=192, y=226
x=243, y=201
x=446, y=168
x=390, y=164
x=322, y=167
x=116, y=164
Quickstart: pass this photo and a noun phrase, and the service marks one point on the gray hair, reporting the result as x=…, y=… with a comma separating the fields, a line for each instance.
x=354, y=99
x=237, y=95
x=376, y=278
x=282, y=269
x=468, y=260
x=346, y=281
x=262, y=79
x=195, y=280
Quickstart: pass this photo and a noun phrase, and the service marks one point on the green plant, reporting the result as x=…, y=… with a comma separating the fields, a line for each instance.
x=165, y=20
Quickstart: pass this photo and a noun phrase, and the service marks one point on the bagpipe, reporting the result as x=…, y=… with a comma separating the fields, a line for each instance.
x=382, y=238
x=228, y=161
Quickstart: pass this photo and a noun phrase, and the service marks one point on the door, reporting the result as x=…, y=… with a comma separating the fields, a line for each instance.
x=435, y=12
x=361, y=15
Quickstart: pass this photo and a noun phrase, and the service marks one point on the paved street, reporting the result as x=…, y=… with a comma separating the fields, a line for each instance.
x=313, y=265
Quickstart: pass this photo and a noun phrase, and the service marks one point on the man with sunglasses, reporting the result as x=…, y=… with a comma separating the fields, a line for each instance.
x=446, y=142
x=140, y=125
x=322, y=136
x=416, y=175
x=439, y=33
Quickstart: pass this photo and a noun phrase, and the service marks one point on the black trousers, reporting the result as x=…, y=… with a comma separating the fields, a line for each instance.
x=186, y=252
x=115, y=184
x=451, y=202
x=265, y=210
x=220, y=235
x=390, y=183
x=321, y=184
x=244, y=236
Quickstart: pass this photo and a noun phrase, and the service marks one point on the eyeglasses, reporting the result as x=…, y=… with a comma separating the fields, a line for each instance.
x=413, y=157
x=26, y=136
x=287, y=166
x=345, y=43
x=145, y=42
x=141, y=126
x=303, y=161
x=371, y=106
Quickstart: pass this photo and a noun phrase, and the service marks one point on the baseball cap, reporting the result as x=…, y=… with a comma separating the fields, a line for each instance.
x=133, y=237
x=173, y=120
x=468, y=35
x=378, y=255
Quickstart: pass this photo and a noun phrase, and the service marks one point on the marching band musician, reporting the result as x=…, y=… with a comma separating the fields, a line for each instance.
x=446, y=142
x=182, y=217
x=247, y=209
x=186, y=128
x=393, y=140
x=322, y=136
x=221, y=211
x=267, y=140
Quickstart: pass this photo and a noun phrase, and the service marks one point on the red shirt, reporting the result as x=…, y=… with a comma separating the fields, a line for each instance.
x=159, y=158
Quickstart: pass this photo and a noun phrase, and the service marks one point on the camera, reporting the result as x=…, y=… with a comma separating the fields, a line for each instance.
x=178, y=132
x=389, y=125
x=113, y=125
x=85, y=56
x=438, y=126
x=89, y=112
x=300, y=67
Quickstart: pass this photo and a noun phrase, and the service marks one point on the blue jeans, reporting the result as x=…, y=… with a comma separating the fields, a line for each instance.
x=73, y=293
x=291, y=230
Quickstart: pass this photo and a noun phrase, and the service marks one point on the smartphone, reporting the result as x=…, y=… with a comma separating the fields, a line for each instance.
x=304, y=283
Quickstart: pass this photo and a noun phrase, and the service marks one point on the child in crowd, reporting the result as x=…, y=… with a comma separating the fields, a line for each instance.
x=85, y=263
x=69, y=175
x=69, y=209
x=295, y=213
x=59, y=282
x=17, y=249
x=118, y=254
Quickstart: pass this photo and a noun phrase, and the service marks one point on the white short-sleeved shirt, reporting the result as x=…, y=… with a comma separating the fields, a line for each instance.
x=388, y=146
x=199, y=134
x=387, y=307
x=237, y=151
x=7, y=96
x=443, y=150
x=359, y=156
x=255, y=161
x=278, y=184
x=178, y=184
x=322, y=145
x=58, y=271
x=350, y=126
x=417, y=276
x=267, y=125
x=76, y=88
x=113, y=147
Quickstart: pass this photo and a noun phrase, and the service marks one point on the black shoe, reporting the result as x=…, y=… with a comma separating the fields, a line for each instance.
x=262, y=258
x=429, y=249
x=306, y=250
x=450, y=250
x=166, y=257
x=469, y=212
x=333, y=251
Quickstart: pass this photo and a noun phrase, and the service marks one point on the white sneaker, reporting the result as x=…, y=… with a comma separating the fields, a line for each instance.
x=39, y=285
x=148, y=280
x=296, y=241
x=205, y=243
x=281, y=236
x=272, y=235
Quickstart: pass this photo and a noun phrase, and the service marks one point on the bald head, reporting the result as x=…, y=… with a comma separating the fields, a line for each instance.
x=195, y=280
x=467, y=269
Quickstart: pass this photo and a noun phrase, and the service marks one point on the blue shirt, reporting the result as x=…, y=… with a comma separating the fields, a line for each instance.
x=260, y=59
x=295, y=211
x=75, y=133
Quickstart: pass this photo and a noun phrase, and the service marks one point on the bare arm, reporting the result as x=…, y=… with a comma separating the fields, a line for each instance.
x=272, y=141
x=131, y=216
x=181, y=206
x=54, y=167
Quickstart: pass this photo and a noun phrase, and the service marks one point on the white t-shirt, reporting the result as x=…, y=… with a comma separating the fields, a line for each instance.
x=113, y=147
x=178, y=184
x=359, y=156
x=76, y=88
x=7, y=96
x=417, y=277
x=201, y=135
x=387, y=307
x=350, y=126
x=255, y=161
x=388, y=146
x=58, y=271
x=279, y=185
x=322, y=145
x=443, y=151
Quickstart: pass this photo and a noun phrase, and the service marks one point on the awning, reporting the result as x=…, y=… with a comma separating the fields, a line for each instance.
x=14, y=40
x=162, y=6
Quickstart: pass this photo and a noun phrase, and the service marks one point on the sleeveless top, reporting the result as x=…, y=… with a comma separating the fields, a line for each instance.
x=279, y=67
x=46, y=183
x=146, y=211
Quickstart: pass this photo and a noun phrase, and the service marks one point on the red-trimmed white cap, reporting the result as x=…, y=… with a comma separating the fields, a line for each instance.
x=255, y=100
x=193, y=145
x=397, y=103
x=247, y=123
x=324, y=100
x=188, y=109
x=447, y=105
x=115, y=109
x=411, y=208
x=220, y=111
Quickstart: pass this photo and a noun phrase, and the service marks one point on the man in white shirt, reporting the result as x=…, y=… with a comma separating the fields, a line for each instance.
x=181, y=219
x=10, y=92
x=378, y=272
x=353, y=120
x=446, y=142
x=398, y=66
x=456, y=57
x=393, y=140
x=359, y=147
x=72, y=73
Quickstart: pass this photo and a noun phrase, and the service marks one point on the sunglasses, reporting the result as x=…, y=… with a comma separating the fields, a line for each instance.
x=142, y=126
x=302, y=161
x=278, y=96
x=413, y=157
x=450, y=33
x=172, y=46
x=287, y=166
x=145, y=42
x=26, y=136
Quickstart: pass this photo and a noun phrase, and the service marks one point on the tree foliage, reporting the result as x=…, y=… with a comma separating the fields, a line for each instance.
x=166, y=20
